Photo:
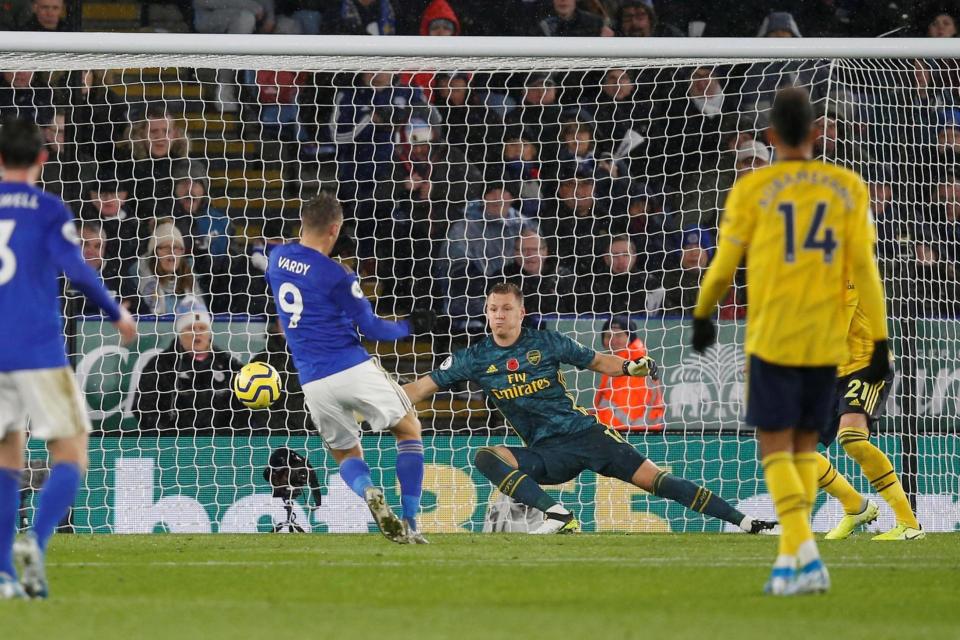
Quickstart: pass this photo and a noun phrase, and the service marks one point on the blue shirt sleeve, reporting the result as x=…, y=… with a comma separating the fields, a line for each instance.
x=570, y=351
x=348, y=295
x=456, y=368
x=63, y=243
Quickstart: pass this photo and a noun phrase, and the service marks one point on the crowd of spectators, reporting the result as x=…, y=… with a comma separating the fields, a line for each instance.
x=597, y=191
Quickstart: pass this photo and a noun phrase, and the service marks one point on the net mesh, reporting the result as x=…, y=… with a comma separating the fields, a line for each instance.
x=595, y=185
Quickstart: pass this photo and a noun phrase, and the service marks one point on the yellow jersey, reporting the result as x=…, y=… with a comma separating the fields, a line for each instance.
x=806, y=231
x=859, y=338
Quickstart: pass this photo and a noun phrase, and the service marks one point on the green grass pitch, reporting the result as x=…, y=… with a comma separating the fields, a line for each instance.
x=482, y=586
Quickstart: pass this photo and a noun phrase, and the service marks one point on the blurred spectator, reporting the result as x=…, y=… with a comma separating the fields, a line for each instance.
x=615, y=285
x=311, y=16
x=577, y=220
x=468, y=115
x=439, y=19
x=648, y=224
x=547, y=285
x=61, y=173
x=518, y=164
x=187, y=387
x=24, y=94
x=96, y=115
x=578, y=153
x=682, y=285
x=477, y=250
x=942, y=25
x=686, y=143
x=751, y=155
x=779, y=24
x=539, y=114
x=93, y=245
x=48, y=15
x=622, y=118
x=367, y=17
x=288, y=414
x=628, y=403
x=240, y=16
x=430, y=186
x=569, y=21
x=106, y=205
x=163, y=277
x=153, y=158
x=363, y=124
x=638, y=19
x=278, y=100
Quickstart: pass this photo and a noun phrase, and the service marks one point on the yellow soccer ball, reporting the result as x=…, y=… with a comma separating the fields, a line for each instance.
x=257, y=385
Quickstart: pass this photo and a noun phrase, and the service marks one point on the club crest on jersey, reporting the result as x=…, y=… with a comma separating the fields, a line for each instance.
x=533, y=357
x=513, y=364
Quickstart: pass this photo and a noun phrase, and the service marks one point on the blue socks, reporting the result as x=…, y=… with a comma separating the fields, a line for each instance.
x=410, y=476
x=356, y=474
x=56, y=497
x=9, y=509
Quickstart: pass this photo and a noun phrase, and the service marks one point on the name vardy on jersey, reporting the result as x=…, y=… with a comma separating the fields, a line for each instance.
x=294, y=266
x=19, y=201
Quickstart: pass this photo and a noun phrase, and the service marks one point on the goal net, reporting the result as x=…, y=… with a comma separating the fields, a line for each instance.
x=594, y=183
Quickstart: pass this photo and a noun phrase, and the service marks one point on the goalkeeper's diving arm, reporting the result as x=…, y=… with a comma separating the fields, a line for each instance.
x=611, y=365
x=420, y=389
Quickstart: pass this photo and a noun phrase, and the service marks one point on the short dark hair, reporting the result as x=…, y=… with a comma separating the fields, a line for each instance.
x=506, y=288
x=320, y=212
x=792, y=115
x=20, y=143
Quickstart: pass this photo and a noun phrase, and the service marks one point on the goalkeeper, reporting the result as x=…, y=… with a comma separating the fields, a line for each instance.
x=519, y=369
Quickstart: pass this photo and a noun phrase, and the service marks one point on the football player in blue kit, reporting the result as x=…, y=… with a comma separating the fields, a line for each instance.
x=321, y=307
x=38, y=242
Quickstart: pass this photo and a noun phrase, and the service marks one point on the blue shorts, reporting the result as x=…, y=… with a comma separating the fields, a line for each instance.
x=556, y=460
x=780, y=397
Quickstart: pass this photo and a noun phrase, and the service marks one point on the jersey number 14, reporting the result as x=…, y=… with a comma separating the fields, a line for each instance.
x=817, y=238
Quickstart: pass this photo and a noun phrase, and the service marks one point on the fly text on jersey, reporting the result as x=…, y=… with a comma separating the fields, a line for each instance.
x=19, y=201
x=521, y=388
x=804, y=176
x=294, y=266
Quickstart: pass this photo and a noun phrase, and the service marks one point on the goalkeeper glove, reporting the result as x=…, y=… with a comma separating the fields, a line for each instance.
x=645, y=366
x=704, y=334
x=879, y=367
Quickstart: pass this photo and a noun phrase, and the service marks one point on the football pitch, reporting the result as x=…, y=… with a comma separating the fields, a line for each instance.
x=482, y=586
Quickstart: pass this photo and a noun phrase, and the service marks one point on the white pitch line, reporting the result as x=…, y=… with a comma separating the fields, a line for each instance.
x=625, y=562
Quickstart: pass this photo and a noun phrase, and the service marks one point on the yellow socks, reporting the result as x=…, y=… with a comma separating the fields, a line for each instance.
x=789, y=500
x=806, y=464
x=879, y=471
x=833, y=482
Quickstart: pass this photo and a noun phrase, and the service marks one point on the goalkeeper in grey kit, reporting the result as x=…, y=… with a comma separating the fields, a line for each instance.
x=519, y=370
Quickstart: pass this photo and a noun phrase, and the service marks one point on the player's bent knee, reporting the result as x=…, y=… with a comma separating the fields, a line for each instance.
x=644, y=475
x=408, y=428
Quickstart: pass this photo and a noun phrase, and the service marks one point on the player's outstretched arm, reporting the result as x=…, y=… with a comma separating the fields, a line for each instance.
x=611, y=365
x=349, y=297
x=421, y=389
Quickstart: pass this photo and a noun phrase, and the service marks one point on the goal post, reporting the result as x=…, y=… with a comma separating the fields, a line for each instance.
x=592, y=172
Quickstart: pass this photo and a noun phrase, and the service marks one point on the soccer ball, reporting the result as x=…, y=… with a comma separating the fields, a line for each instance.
x=257, y=386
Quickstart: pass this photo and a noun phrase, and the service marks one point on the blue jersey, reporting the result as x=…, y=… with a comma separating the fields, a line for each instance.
x=321, y=306
x=38, y=242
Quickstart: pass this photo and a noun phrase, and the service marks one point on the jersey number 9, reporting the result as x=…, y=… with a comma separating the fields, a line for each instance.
x=291, y=301
x=813, y=241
